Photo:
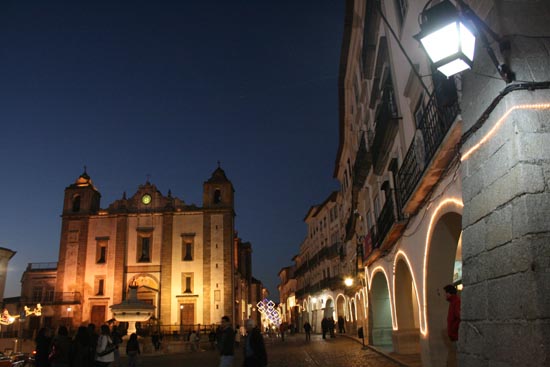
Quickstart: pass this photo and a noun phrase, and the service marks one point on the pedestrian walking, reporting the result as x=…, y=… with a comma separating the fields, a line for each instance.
x=324, y=327
x=194, y=340
x=282, y=330
x=453, y=321
x=155, y=339
x=237, y=336
x=307, y=329
x=117, y=341
x=133, y=350
x=331, y=325
x=105, y=350
x=212, y=339
x=61, y=348
x=93, y=342
x=226, y=343
x=341, y=325
x=255, y=354
x=43, y=341
x=80, y=351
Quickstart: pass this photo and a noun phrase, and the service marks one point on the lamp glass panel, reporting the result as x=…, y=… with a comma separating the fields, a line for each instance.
x=453, y=67
x=467, y=42
x=442, y=42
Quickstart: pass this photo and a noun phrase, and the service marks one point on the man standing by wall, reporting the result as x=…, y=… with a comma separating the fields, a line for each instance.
x=226, y=343
x=255, y=354
x=453, y=321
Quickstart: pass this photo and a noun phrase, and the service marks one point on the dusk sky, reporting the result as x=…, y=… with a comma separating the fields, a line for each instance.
x=166, y=89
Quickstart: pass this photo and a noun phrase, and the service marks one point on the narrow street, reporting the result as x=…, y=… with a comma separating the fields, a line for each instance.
x=293, y=352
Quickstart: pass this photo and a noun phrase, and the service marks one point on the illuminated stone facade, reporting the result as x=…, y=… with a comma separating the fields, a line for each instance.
x=181, y=256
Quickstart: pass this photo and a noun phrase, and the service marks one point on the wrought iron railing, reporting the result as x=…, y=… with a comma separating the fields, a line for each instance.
x=386, y=127
x=333, y=283
x=302, y=269
x=363, y=162
x=41, y=266
x=371, y=242
x=332, y=250
x=388, y=216
x=57, y=298
x=433, y=126
x=323, y=253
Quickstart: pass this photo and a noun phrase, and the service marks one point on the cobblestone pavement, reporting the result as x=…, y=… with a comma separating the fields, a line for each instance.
x=293, y=352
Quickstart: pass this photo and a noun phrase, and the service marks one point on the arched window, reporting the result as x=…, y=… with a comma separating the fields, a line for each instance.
x=217, y=196
x=144, y=249
x=76, y=203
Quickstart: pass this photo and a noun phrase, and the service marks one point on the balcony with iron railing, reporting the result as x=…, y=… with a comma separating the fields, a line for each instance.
x=430, y=151
x=332, y=283
x=390, y=225
x=371, y=242
x=54, y=298
x=386, y=128
x=302, y=269
x=324, y=253
x=41, y=266
x=362, y=165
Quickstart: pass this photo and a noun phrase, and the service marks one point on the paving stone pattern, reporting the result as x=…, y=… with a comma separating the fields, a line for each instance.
x=293, y=352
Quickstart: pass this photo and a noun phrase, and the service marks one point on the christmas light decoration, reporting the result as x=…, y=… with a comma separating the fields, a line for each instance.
x=267, y=308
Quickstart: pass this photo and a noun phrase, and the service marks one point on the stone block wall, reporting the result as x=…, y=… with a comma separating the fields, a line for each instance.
x=506, y=193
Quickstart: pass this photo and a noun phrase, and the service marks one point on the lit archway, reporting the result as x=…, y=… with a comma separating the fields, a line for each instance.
x=406, y=309
x=329, y=308
x=341, y=306
x=444, y=260
x=380, y=312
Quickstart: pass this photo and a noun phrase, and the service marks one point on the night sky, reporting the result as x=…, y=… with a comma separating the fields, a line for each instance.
x=166, y=89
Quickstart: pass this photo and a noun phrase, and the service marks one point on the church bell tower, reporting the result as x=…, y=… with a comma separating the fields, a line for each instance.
x=218, y=191
x=81, y=198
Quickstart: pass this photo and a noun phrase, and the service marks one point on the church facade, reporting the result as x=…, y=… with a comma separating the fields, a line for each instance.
x=182, y=257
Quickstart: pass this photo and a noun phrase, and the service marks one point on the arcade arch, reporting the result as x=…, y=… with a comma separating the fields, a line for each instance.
x=444, y=266
x=380, y=312
x=341, y=307
x=329, y=309
x=407, y=335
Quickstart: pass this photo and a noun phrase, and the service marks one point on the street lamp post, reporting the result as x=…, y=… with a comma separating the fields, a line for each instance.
x=181, y=320
x=68, y=321
x=448, y=36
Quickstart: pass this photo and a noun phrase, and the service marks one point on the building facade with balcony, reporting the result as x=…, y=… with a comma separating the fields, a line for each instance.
x=428, y=161
x=398, y=169
x=287, y=296
x=324, y=261
x=186, y=260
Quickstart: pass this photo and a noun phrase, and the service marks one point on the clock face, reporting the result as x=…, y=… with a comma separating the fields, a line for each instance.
x=146, y=199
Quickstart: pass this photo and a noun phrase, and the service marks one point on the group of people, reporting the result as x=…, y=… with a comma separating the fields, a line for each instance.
x=327, y=326
x=253, y=347
x=86, y=349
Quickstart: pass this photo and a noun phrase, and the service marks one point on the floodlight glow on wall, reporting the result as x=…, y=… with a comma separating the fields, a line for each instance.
x=448, y=35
